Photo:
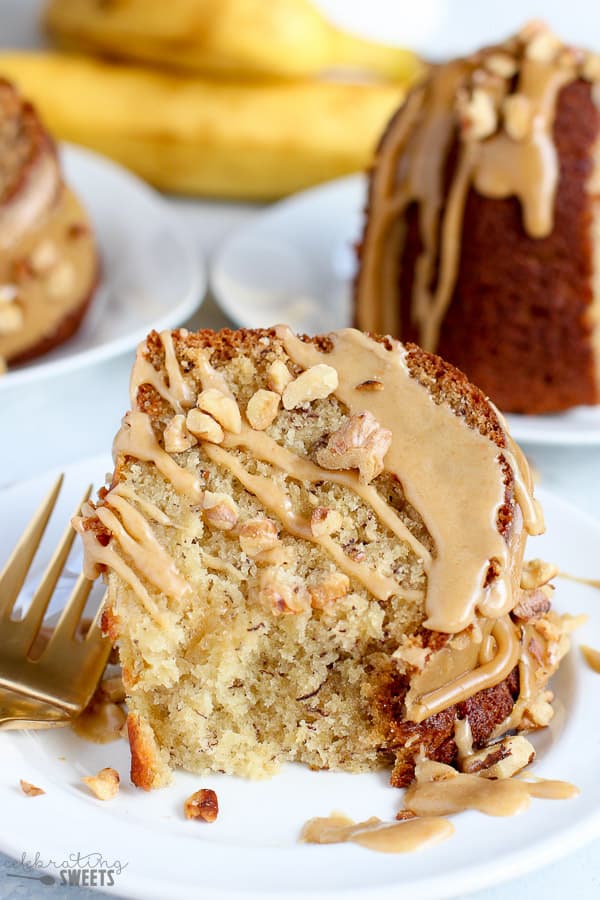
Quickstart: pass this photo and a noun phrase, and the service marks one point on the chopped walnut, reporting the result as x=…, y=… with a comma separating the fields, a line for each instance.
x=283, y=595
x=177, y=437
x=203, y=805
x=551, y=631
x=278, y=376
x=539, y=713
x=258, y=535
x=30, y=790
x=478, y=117
x=360, y=443
x=262, y=409
x=501, y=760
x=11, y=318
x=517, y=114
x=220, y=510
x=404, y=814
x=332, y=588
x=104, y=785
x=542, y=47
x=204, y=427
x=537, y=573
x=222, y=408
x=411, y=652
x=501, y=64
x=61, y=280
x=44, y=257
x=532, y=604
x=324, y=521
x=315, y=383
x=570, y=57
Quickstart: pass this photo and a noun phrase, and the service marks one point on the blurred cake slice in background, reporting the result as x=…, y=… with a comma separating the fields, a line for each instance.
x=48, y=259
x=482, y=232
x=314, y=553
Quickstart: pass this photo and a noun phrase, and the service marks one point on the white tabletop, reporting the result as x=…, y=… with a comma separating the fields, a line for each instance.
x=70, y=417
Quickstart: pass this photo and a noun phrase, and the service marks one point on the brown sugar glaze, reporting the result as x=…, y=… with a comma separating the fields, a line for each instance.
x=438, y=791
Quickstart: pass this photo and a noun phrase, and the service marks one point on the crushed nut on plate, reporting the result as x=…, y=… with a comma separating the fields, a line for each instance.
x=203, y=805
x=104, y=785
x=30, y=790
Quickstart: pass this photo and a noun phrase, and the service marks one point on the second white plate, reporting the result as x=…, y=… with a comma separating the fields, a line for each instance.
x=294, y=263
x=151, y=276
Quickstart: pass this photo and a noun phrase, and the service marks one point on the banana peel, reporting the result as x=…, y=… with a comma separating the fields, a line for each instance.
x=194, y=136
x=223, y=38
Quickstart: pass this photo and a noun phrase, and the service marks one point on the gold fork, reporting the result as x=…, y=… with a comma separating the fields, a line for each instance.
x=54, y=688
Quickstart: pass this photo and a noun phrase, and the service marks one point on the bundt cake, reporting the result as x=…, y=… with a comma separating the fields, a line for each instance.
x=482, y=230
x=48, y=261
x=314, y=552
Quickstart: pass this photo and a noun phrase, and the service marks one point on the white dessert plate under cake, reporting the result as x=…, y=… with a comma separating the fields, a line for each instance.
x=151, y=276
x=294, y=263
x=251, y=851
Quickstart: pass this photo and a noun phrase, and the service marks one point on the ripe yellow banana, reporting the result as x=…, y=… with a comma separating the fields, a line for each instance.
x=277, y=38
x=194, y=136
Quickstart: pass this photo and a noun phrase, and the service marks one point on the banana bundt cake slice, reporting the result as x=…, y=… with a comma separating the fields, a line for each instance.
x=314, y=552
x=48, y=260
x=482, y=230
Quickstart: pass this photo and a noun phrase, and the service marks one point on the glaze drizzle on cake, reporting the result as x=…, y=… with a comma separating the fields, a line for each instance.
x=384, y=526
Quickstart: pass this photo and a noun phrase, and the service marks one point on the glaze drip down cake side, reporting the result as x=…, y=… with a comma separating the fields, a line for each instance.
x=48, y=260
x=314, y=552
x=482, y=231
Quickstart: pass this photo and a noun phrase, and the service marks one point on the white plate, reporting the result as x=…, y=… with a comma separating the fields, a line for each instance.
x=294, y=263
x=151, y=276
x=251, y=851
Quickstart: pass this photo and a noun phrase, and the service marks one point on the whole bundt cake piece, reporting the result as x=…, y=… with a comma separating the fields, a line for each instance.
x=314, y=553
x=48, y=259
x=483, y=222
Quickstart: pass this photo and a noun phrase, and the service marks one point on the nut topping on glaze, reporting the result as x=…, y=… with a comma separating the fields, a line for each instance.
x=360, y=443
x=315, y=383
